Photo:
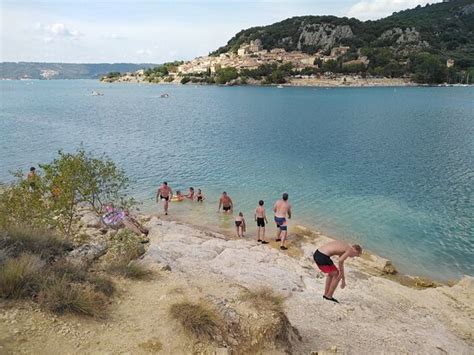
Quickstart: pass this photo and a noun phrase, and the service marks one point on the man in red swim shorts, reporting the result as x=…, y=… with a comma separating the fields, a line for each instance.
x=322, y=257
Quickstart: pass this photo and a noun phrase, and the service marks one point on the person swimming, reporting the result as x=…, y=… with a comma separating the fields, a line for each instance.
x=190, y=194
x=179, y=196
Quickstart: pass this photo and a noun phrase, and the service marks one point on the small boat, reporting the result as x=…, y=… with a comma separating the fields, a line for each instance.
x=279, y=86
x=96, y=93
x=165, y=95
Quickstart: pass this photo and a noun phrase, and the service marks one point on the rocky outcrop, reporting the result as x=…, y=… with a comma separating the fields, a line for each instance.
x=324, y=36
x=372, y=307
x=407, y=37
x=467, y=10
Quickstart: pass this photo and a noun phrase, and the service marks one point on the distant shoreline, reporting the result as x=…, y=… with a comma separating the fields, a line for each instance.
x=350, y=82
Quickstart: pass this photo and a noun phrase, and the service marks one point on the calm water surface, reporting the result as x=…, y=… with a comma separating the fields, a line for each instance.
x=392, y=169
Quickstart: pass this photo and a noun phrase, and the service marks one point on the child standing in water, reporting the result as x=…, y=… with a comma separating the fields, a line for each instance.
x=199, y=196
x=261, y=219
x=240, y=225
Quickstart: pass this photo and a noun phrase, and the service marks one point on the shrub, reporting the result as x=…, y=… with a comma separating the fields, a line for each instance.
x=225, y=75
x=125, y=246
x=79, y=178
x=20, y=277
x=185, y=80
x=197, y=319
x=74, y=274
x=59, y=296
x=71, y=180
x=46, y=244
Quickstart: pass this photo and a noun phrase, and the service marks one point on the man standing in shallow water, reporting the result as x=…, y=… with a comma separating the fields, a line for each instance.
x=322, y=257
x=164, y=194
x=226, y=202
x=282, y=208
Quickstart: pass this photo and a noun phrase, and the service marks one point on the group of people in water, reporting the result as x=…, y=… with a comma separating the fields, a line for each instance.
x=282, y=212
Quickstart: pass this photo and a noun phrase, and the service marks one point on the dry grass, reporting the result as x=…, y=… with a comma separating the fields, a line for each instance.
x=264, y=299
x=129, y=269
x=197, y=319
x=20, y=277
x=46, y=244
x=75, y=274
x=60, y=296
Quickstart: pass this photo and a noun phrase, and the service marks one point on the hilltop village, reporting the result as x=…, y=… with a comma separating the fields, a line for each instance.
x=254, y=65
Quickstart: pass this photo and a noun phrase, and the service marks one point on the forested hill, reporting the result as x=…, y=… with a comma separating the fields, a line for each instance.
x=32, y=70
x=444, y=30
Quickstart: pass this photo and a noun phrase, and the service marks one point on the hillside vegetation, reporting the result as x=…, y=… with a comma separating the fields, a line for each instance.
x=414, y=42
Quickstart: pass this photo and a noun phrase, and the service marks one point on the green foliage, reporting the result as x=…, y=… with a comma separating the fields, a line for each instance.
x=112, y=75
x=331, y=66
x=225, y=75
x=20, y=205
x=353, y=68
x=185, y=80
x=445, y=31
x=70, y=180
x=428, y=69
x=125, y=245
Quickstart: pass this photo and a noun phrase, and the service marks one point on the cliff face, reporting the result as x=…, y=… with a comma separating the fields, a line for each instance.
x=444, y=29
x=324, y=36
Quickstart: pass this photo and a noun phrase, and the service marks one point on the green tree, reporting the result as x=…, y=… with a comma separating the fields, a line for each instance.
x=429, y=69
x=70, y=181
x=225, y=75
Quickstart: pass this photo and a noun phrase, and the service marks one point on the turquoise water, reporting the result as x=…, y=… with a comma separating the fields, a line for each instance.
x=390, y=168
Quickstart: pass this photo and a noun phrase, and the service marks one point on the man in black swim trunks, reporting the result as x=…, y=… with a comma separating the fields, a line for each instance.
x=226, y=202
x=164, y=194
x=261, y=219
x=322, y=257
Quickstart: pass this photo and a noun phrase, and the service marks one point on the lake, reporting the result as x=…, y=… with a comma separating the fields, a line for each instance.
x=389, y=168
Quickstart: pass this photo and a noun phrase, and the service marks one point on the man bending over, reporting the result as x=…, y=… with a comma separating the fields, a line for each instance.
x=322, y=257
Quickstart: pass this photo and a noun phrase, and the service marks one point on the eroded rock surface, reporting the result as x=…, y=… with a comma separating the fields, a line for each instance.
x=375, y=314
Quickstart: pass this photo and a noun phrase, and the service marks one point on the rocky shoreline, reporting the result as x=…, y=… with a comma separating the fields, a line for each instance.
x=329, y=82
x=191, y=264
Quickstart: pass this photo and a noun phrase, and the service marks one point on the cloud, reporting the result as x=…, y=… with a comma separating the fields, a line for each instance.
x=144, y=52
x=375, y=9
x=56, y=31
x=114, y=36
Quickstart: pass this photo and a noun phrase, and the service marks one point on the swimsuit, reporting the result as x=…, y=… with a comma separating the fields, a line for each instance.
x=281, y=223
x=165, y=198
x=324, y=262
x=260, y=222
x=199, y=199
x=226, y=208
x=238, y=223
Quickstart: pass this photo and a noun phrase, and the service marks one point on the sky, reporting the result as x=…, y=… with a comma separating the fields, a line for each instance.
x=152, y=31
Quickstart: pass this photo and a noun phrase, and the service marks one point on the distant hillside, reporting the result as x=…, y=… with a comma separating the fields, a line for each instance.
x=445, y=30
x=31, y=70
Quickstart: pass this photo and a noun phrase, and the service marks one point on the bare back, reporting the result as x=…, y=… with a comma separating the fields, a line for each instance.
x=335, y=247
x=282, y=209
x=260, y=212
